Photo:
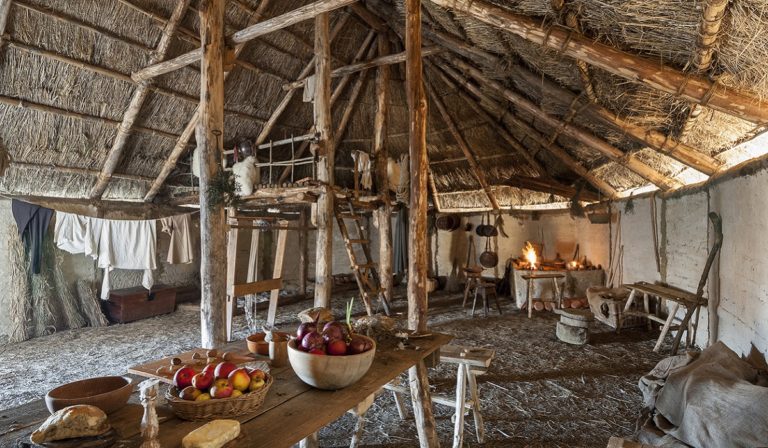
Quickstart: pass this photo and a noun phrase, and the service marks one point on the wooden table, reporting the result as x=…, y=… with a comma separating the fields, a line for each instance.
x=291, y=412
x=530, y=278
x=676, y=295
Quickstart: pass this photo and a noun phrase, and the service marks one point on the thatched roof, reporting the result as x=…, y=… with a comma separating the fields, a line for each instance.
x=66, y=66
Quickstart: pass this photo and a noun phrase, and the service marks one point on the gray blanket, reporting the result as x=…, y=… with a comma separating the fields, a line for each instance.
x=715, y=399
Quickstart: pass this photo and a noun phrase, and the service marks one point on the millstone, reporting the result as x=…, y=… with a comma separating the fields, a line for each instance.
x=567, y=320
x=572, y=335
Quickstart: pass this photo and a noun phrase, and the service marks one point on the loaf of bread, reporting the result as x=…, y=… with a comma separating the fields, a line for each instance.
x=213, y=434
x=71, y=422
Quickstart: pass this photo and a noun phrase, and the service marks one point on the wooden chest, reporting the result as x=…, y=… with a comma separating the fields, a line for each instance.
x=130, y=304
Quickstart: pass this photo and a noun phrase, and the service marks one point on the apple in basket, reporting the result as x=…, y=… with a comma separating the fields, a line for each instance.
x=223, y=369
x=183, y=377
x=240, y=379
x=221, y=388
x=203, y=380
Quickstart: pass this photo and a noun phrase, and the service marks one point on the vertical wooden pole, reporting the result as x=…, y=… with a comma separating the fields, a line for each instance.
x=303, y=255
x=417, y=114
x=325, y=151
x=213, y=233
x=277, y=272
x=417, y=226
x=232, y=240
x=381, y=156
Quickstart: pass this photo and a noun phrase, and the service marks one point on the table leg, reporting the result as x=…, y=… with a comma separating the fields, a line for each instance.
x=684, y=324
x=466, y=291
x=230, y=310
x=485, y=302
x=309, y=442
x=399, y=404
x=529, y=298
x=647, y=309
x=360, y=411
x=558, y=297
x=667, y=324
x=627, y=306
x=479, y=427
x=461, y=393
x=422, y=406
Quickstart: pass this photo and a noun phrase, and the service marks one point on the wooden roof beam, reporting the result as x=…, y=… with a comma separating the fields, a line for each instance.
x=561, y=154
x=189, y=130
x=551, y=187
x=364, y=65
x=369, y=18
x=140, y=95
x=582, y=135
x=636, y=68
x=245, y=35
x=462, y=142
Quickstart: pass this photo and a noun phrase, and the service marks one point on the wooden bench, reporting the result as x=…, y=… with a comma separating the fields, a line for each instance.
x=530, y=278
x=471, y=362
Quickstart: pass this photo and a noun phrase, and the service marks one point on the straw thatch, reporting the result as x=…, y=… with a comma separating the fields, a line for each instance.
x=65, y=68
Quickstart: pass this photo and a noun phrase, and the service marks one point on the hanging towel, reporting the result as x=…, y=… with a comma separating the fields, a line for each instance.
x=363, y=162
x=127, y=245
x=401, y=242
x=32, y=221
x=309, y=89
x=180, y=250
x=77, y=234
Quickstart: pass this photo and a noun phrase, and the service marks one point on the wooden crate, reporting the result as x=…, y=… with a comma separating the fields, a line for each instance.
x=130, y=304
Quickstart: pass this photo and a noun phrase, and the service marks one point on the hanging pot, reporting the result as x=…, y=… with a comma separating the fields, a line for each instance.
x=489, y=259
x=448, y=222
x=481, y=229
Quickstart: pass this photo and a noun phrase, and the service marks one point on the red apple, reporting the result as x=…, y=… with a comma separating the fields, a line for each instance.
x=183, y=377
x=240, y=379
x=222, y=388
x=210, y=368
x=224, y=369
x=189, y=393
x=203, y=380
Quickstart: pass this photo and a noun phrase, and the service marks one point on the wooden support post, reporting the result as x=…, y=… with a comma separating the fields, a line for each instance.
x=473, y=165
x=213, y=245
x=232, y=238
x=252, y=32
x=572, y=131
x=635, y=68
x=277, y=273
x=324, y=150
x=137, y=101
x=435, y=193
x=381, y=157
x=303, y=251
x=417, y=225
x=181, y=144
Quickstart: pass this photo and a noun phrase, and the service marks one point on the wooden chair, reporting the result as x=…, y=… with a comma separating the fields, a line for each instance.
x=474, y=276
x=485, y=289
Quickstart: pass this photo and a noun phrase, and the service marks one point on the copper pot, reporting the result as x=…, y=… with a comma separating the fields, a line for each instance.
x=489, y=259
x=448, y=222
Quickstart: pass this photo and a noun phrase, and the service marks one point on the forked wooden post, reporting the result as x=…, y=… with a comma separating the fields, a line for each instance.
x=324, y=149
x=381, y=156
x=417, y=226
x=213, y=231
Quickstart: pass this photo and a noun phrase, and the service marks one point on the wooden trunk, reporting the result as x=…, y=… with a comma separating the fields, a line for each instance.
x=130, y=304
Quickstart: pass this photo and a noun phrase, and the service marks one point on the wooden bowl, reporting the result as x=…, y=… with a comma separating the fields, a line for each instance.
x=108, y=393
x=330, y=372
x=256, y=344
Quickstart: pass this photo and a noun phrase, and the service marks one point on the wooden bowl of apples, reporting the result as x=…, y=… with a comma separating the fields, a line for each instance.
x=332, y=358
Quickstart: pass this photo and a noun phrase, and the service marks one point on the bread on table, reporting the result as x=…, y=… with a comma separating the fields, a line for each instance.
x=214, y=434
x=71, y=422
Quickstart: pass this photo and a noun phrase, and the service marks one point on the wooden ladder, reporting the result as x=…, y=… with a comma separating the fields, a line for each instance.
x=366, y=276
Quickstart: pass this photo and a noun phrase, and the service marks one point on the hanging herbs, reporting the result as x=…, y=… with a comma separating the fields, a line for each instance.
x=629, y=206
x=222, y=190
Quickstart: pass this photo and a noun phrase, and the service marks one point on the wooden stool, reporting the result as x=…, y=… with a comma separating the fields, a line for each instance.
x=485, y=289
x=529, y=294
x=474, y=277
x=471, y=362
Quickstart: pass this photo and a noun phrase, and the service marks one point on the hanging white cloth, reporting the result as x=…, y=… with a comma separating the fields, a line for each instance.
x=178, y=227
x=127, y=245
x=363, y=164
x=113, y=244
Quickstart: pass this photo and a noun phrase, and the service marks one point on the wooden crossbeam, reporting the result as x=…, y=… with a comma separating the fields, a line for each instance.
x=635, y=68
x=549, y=186
x=463, y=145
x=365, y=65
x=240, y=37
x=605, y=148
x=137, y=101
x=244, y=289
x=551, y=147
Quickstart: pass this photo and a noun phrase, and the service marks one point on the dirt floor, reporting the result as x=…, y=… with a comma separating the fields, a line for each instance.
x=539, y=392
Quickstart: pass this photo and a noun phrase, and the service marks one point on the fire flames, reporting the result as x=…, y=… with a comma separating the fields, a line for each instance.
x=529, y=252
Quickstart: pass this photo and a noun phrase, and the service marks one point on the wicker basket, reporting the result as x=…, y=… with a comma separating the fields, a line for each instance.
x=219, y=408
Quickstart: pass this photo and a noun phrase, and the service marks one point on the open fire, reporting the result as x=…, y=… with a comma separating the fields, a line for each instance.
x=529, y=253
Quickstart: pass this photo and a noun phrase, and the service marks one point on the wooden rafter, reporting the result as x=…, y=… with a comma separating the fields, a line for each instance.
x=548, y=186
x=140, y=95
x=77, y=170
x=361, y=52
x=709, y=30
x=561, y=154
x=582, y=135
x=286, y=100
x=240, y=37
x=364, y=65
x=626, y=65
x=463, y=145
x=186, y=134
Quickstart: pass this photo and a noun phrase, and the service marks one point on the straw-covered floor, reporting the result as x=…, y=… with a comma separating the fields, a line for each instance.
x=539, y=392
